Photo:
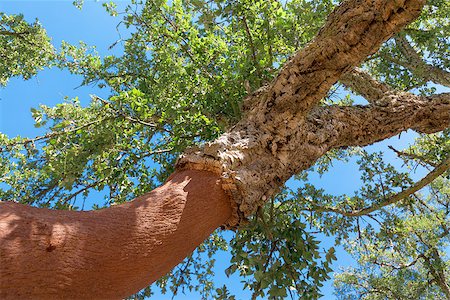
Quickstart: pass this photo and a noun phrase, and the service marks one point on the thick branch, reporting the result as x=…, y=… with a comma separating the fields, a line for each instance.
x=355, y=30
x=110, y=253
x=418, y=66
x=375, y=92
x=365, y=125
x=340, y=126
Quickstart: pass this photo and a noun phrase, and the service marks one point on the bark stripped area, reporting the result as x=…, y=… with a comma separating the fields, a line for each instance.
x=283, y=131
x=110, y=253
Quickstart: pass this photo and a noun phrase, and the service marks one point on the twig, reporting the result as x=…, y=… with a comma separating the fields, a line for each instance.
x=413, y=156
x=54, y=134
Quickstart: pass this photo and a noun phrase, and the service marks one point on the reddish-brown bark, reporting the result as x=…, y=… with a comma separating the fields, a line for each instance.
x=109, y=253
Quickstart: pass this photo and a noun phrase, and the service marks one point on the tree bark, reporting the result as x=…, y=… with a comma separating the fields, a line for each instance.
x=110, y=253
x=114, y=252
x=273, y=141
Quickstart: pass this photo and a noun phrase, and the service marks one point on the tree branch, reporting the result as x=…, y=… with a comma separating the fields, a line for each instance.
x=52, y=134
x=14, y=33
x=343, y=126
x=363, y=125
x=421, y=159
x=399, y=266
x=418, y=66
x=271, y=142
x=354, y=28
x=439, y=170
x=437, y=269
x=363, y=84
x=251, y=44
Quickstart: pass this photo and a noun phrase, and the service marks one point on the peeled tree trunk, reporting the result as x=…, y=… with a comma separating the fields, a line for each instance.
x=114, y=252
x=109, y=253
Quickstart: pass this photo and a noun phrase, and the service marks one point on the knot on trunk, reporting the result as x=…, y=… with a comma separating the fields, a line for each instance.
x=242, y=162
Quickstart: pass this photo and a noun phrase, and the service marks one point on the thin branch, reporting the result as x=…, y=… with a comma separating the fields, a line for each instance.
x=400, y=266
x=13, y=33
x=423, y=160
x=124, y=115
x=436, y=267
x=439, y=170
x=185, y=44
x=418, y=66
x=54, y=134
x=252, y=45
x=85, y=188
x=22, y=35
x=181, y=275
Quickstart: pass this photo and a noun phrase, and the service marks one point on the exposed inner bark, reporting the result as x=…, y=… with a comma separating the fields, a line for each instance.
x=109, y=253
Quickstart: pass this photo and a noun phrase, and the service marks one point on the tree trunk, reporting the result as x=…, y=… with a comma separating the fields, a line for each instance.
x=280, y=135
x=110, y=253
x=114, y=252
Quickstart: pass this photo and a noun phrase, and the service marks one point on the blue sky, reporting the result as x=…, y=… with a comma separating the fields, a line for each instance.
x=95, y=27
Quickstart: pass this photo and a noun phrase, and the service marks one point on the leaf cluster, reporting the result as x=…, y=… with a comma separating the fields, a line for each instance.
x=25, y=48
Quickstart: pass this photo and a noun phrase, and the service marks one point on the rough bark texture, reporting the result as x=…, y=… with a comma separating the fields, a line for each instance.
x=109, y=253
x=340, y=126
x=363, y=84
x=114, y=252
x=275, y=139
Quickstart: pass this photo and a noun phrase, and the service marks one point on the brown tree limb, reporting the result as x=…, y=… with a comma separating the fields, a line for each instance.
x=418, y=66
x=354, y=28
x=343, y=126
x=363, y=84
